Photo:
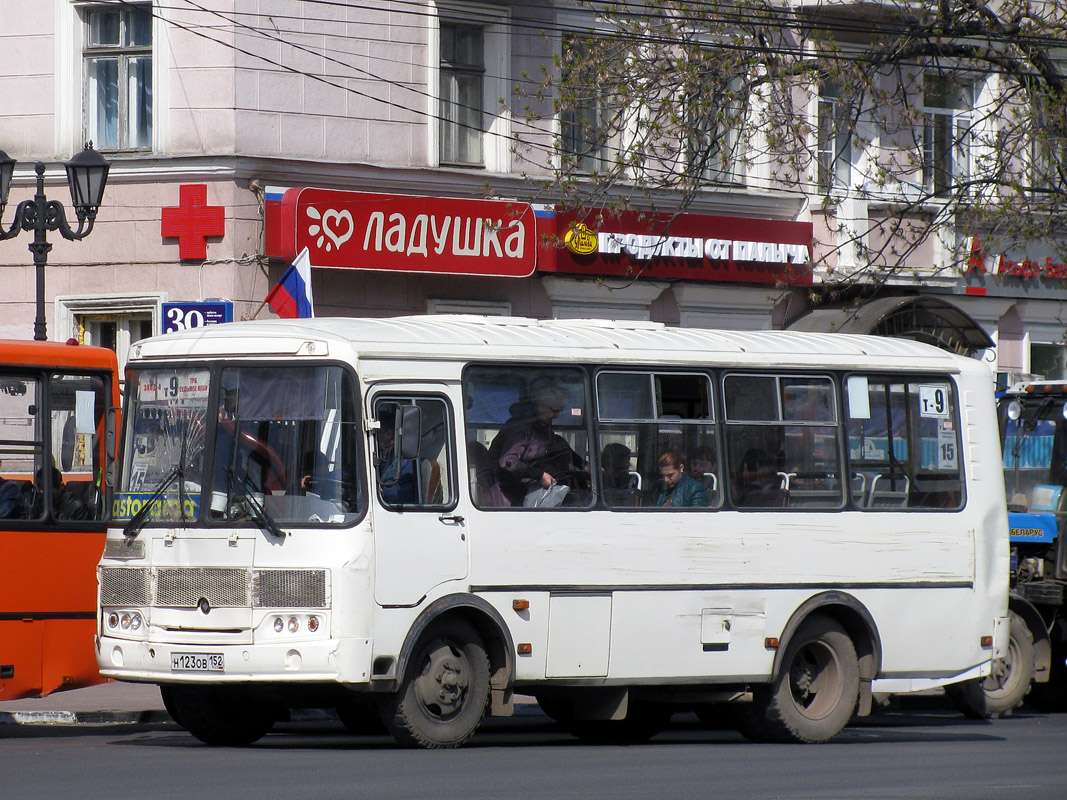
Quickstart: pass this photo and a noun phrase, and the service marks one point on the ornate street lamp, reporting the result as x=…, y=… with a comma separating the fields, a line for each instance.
x=87, y=176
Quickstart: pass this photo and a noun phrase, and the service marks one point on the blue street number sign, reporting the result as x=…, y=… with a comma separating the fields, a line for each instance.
x=182, y=316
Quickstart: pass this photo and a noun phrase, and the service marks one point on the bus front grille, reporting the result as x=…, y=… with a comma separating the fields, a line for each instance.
x=123, y=587
x=184, y=587
x=290, y=588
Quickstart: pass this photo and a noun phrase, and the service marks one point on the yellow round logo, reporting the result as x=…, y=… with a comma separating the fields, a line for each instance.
x=580, y=240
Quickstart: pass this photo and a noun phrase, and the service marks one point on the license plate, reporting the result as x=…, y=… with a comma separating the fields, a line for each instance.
x=196, y=662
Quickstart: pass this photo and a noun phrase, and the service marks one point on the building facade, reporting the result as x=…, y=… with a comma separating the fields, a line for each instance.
x=390, y=140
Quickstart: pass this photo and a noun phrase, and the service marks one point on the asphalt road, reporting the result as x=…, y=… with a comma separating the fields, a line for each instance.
x=911, y=753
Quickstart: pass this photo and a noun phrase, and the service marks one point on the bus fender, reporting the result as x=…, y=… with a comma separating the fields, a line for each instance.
x=854, y=617
x=490, y=625
x=1042, y=644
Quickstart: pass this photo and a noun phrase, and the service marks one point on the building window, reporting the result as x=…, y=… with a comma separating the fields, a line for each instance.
x=834, y=146
x=946, y=133
x=1048, y=131
x=461, y=92
x=589, y=127
x=118, y=77
x=112, y=321
x=1049, y=361
x=713, y=144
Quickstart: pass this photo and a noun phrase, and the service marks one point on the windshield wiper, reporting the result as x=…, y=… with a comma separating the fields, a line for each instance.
x=258, y=511
x=137, y=522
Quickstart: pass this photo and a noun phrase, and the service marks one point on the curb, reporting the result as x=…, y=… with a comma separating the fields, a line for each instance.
x=84, y=717
x=160, y=717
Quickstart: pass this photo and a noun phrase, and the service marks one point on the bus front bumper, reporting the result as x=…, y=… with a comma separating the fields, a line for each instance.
x=327, y=660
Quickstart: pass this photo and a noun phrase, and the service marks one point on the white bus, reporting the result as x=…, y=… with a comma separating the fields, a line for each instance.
x=419, y=518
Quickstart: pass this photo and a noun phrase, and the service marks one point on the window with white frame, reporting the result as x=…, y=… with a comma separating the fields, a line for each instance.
x=1048, y=138
x=947, y=106
x=473, y=57
x=112, y=321
x=713, y=123
x=117, y=57
x=462, y=77
x=834, y=144
x=591, y=126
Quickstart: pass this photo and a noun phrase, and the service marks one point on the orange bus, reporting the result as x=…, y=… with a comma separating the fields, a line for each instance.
x=57, y=406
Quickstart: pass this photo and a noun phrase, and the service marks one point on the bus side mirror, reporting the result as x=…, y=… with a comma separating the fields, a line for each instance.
x=408, y=432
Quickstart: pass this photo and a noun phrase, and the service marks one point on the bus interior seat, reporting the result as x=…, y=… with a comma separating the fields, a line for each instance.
x=885, y=491
x=814, y=498
x=430, y=485
x=480, y=466
x=858, y=488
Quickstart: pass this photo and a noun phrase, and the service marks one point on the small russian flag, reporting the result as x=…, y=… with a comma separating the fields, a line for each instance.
x=291, y=296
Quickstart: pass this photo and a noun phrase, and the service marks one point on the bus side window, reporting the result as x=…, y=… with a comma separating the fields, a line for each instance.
x=527, y=437
x=21, y=448
x=657, y=440
x=903, y=443
x=783, y=441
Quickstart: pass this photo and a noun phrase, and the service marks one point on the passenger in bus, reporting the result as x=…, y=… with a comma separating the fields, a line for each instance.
x=676, y=489
x=10, y=499
x=758, y=484
x=527, y=454
x=620, y=485
x=702, y=468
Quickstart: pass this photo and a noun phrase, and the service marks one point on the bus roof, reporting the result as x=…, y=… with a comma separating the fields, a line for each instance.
x=469, y=337
x=55, y=354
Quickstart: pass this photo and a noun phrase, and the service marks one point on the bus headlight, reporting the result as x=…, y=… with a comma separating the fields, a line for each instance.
x=294, y=625
x=128, y=622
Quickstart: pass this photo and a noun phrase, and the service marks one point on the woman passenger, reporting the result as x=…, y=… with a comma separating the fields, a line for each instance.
x=676, y=489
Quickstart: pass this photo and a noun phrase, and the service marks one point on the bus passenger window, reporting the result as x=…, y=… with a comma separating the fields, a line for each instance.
x=903, y=444
x=783, y=441
x=527, y=438
x=658, y=441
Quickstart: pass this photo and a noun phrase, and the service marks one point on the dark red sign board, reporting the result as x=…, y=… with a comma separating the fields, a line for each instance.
x=361, y=230
x=696, y=247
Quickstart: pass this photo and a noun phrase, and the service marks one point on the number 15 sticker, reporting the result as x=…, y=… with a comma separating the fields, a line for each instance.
x=933, y=401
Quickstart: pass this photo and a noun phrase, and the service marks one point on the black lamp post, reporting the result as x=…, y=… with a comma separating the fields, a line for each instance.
x=87, y=176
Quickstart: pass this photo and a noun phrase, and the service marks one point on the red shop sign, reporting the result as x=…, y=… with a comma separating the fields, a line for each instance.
x=361, y=230
x=682, y=246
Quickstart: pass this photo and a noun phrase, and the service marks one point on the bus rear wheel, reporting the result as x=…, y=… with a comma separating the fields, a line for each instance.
x=816, y=690
x=227, y=716
x=445, y=689
x=999, y=694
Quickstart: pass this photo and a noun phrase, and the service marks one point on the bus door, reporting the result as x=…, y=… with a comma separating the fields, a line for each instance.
x=420, y=529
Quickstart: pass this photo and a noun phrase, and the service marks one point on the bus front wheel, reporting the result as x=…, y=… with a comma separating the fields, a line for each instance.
x=445, y=689
x=816, y=690
x=230, y=716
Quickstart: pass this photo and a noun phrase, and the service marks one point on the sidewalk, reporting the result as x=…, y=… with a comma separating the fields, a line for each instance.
x=108, y=703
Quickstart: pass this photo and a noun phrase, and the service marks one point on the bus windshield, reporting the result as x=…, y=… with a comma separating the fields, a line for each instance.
x=252, y=444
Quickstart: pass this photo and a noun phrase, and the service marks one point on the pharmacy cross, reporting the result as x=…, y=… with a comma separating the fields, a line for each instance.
x=193, y=221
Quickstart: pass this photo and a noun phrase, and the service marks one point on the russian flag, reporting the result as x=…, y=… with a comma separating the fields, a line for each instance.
x=291, y=295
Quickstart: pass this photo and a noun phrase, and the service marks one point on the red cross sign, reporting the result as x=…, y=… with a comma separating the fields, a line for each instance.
x=193, y=221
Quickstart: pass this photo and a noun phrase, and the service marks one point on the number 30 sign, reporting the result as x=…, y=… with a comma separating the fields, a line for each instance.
x=182, y=316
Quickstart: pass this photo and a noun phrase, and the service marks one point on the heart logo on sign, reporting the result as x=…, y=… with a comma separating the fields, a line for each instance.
x=330, y=227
